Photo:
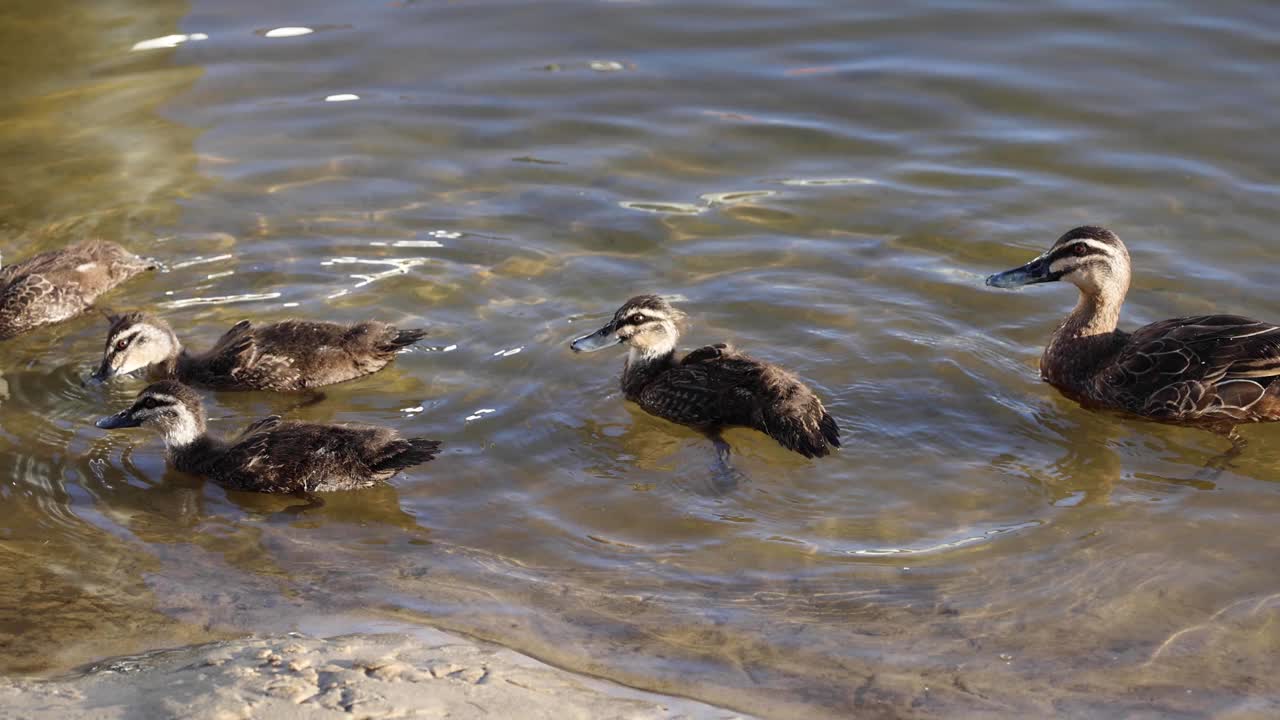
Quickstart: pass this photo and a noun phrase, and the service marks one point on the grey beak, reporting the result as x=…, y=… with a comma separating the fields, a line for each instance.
x=121, y=419
x=103, y=373
x=603, y=338
x=1036, y=271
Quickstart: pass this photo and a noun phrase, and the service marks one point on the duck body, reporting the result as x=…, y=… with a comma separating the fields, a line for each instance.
x=713, y=387
x=716, y=387
x=291, y=457
x=272, y=455
x=59, y=285
x=1215, y=371
x=285, y=356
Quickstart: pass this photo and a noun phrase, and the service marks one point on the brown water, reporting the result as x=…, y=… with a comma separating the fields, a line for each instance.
x=825, y=183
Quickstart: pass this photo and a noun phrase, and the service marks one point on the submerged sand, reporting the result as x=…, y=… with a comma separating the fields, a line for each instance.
x=428, y=674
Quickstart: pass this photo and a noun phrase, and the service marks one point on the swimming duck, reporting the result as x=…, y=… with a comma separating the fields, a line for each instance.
x=271, y=455
x=1214, y=371
x=283, y=356
x=712, y=387
x=59, y=285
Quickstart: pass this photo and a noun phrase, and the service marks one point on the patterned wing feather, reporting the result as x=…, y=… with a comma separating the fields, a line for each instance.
x=1212, y=367
x=31, y=300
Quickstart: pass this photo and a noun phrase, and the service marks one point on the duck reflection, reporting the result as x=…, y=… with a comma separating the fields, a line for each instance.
x=1091, y=462
x=653, y=446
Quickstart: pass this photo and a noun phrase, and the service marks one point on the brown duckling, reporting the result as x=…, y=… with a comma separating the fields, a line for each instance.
x=59, y=285
x=712, y=387
x=284, y=356
x=271, y=455
x=1214, y=371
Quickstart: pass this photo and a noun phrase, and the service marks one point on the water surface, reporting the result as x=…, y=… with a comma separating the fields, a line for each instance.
x=823, y=183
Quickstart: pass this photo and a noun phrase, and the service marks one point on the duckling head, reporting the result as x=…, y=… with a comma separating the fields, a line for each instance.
x=135, y=341
x=647, y=323
x=169, y=407
x=1091, y=258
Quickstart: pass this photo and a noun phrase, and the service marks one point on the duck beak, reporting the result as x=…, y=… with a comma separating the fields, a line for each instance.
x=121, y=419
x=103, y=373
x=1036, y=271
x=605, y=337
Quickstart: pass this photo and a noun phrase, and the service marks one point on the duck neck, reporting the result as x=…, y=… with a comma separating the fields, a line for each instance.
x=189, y=445
x=643, y=368
x=173, y=367
x=1084, y=341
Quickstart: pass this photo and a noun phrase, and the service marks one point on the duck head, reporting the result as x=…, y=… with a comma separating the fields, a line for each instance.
x=648, y=324
x=135, y=341
x=169, y=407
x=1091, y=258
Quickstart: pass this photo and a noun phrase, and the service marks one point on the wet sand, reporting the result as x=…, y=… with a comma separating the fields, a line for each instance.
x=425, y=674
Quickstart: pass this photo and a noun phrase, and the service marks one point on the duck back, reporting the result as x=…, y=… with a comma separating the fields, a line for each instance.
x=59, y=285
x=286, y=457
x=295, y=355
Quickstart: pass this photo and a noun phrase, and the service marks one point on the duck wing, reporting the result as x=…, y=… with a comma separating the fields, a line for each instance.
x=716, y=386
x=239, y=355
x=275, y=456
x=707, y=389
x=31, y=300
x=263, y=425
x=1210, y=367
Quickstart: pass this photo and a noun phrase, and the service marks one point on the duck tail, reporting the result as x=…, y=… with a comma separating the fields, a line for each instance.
x=402, y=339
x=809, y=430
x=404, y=453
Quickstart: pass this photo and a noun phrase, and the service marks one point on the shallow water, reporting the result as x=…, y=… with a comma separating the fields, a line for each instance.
x=822, y=183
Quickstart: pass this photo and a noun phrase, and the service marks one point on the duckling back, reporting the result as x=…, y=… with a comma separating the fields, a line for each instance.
x=777, y=402
x=286, y=457
x=296, y=355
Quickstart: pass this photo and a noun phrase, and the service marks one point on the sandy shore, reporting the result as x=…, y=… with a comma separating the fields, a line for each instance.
x=428, y=674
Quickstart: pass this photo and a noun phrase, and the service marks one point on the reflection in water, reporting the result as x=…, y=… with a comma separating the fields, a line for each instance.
x=710, y=149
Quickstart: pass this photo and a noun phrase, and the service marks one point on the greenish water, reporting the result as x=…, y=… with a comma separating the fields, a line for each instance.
x=825, y=183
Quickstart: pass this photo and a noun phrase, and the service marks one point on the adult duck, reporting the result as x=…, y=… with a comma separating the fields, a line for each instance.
x=59, y=285
x=1213, y=371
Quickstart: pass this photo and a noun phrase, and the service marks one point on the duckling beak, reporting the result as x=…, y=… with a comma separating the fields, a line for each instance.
x=605, y=337
x=121, y=419
x=103, y=373
x=1036, y=271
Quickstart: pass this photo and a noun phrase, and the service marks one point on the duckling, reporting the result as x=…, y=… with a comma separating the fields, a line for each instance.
x=59, y=285
x=284, y=356
x=712, y=387
x=1213, y=371
x=271, y=455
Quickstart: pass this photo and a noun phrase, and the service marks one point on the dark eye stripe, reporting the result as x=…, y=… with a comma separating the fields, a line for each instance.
x=1069, y=251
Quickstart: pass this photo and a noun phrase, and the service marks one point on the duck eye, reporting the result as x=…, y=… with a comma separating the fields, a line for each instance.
x=122, y=344
x=150, y=403
x=636, y=319
x=1080, y=249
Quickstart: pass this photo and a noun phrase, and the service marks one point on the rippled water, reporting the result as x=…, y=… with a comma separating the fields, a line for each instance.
x=824, y=183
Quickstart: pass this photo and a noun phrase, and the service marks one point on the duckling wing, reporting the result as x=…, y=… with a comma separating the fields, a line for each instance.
x=263, y=425
x=716, y=386
x=701, y=390
x=1212, y=367
x=274, y=456
x=240, y=355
